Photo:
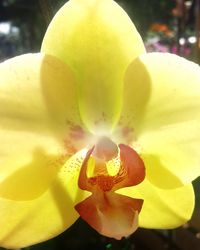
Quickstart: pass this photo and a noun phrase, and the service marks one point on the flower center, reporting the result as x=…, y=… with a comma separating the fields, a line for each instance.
x=130, y=169
x=105, y=183
x=104, y=151
x=110, y=213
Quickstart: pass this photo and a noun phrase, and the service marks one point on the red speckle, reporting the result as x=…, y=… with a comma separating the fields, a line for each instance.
x=75, y=139
x=126, y=131
x=77, y=133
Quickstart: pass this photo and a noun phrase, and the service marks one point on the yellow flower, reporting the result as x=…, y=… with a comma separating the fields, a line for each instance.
x=92, y=113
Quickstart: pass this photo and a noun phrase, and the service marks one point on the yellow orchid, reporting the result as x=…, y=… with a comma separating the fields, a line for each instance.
x=94, y=127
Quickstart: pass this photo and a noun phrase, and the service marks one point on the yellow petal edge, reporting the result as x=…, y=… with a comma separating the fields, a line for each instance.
x=162, y=107
x=37, y=98
x=163, y=208
x=24, y=223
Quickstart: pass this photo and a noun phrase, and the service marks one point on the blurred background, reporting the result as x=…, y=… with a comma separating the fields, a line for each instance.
x=165, y=26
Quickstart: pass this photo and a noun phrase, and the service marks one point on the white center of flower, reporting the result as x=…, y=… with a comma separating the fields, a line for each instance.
x=105, y=149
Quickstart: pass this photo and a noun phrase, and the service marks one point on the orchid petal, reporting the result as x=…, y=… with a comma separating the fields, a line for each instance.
x=130, y=172
x=112, y=215
x=24, y=223
x=98, y=46
x=162, y=208
x=133, y=167
x=161, y=117
x=34, y=105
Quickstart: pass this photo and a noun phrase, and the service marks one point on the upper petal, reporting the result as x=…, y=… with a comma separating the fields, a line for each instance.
x=38, y=113
x=97, y=40
x=161, y=117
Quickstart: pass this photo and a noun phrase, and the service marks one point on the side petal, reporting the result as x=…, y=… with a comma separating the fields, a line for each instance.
x=112, y=215
x=162, y=208
x=35, y=104
x=161, y=117
x=98, y=46
x=24, y=223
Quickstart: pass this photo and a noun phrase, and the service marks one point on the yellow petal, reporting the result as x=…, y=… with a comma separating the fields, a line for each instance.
x=24, y=223
x=162, y=208
x=97, y=40
x=161, y=117
x=35, y=104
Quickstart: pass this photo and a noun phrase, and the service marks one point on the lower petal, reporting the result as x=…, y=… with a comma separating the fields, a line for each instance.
x=24, y=223
x=162, y=208
x=112, y=215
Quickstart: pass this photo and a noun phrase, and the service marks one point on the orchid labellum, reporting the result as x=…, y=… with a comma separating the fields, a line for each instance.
x=94, y=127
